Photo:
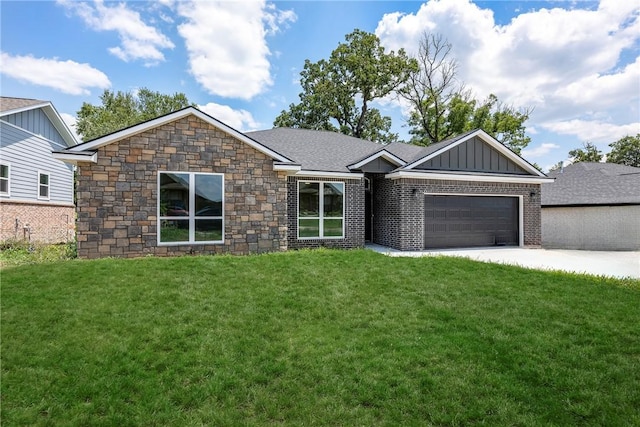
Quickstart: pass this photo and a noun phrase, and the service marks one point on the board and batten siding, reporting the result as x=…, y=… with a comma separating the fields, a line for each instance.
x=473, y=155
x=28, y=154
x=37, y=122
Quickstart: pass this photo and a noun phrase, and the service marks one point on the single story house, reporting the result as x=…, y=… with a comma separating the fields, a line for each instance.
x=592, y=206
x=36, y=191
x=187, y=183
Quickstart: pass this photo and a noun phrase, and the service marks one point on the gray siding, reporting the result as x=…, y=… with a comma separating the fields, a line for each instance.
x=27, y=154
x=36, y=121
x=378, y=165
x=473, y=155
x=594, y=228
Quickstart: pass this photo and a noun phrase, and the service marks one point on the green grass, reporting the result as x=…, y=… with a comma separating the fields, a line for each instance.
x=316, y=338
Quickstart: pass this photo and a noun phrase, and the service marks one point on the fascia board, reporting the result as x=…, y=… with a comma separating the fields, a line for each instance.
x=324, y=174
x=462, y=177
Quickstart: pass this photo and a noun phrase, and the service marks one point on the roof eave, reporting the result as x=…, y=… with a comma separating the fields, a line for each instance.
x=75, y=158
x=399, y=174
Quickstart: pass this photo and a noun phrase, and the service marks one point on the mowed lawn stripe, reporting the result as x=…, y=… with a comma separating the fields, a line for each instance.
x=316, y=338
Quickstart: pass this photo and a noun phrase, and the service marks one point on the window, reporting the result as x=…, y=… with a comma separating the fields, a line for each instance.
x=191, y=208
x=4, y=179
x=320, y=217
x=43, y=186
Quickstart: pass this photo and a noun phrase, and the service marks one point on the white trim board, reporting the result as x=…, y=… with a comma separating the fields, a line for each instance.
x=464, y=177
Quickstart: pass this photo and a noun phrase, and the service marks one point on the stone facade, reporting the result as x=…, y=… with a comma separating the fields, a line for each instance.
x=353, y=215
x=399, y=210
x=117, y=196
x=37, y=222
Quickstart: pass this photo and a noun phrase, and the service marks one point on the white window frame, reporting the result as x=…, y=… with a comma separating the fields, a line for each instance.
x=191, y=217
x=7, y=179
x=321, y=216
x=47, y=185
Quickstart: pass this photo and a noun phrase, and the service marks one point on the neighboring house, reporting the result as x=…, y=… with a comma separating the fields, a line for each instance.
x=186, y=183
x=592, y=206
x=36, y=190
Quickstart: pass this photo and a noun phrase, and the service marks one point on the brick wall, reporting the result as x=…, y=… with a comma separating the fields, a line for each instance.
x=353, y=211
x=117, y=197
x=399, y=212
x=37, y=222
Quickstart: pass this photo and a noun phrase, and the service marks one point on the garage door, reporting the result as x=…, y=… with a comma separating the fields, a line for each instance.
x=467, y=221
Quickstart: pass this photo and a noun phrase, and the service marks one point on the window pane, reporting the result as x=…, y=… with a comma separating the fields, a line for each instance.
x=174, y=194
x=4, y=171
x=333, y=195
x=4, y=186
x=208, y=230
x=44, y=191
x=332, y=227
x=309, y=199
x=309, y=228
x=174, y=231
x=44, y=179
x=208, y=195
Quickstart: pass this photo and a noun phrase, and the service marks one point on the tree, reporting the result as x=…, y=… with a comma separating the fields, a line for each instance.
x=625, y=151
x=589, y=153
x=122, y=109
x=337, y=93
x=441, y=107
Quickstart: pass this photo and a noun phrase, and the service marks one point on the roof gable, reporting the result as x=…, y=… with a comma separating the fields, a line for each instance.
x=476, y=152
x=94, y=144
x=12, y=107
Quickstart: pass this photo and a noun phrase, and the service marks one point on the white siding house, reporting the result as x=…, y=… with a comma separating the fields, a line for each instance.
x=36, y=190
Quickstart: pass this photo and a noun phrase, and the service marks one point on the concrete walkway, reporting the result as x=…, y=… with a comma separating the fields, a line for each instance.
x=600, y=263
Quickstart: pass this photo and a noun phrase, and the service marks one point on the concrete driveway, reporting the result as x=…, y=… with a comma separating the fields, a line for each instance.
x=600, y=263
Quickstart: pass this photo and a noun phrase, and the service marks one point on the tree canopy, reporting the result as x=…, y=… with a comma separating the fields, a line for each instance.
x=337, y=93
x=122, y=109
x=589, y=153
x=625, y=151
x=442, y=108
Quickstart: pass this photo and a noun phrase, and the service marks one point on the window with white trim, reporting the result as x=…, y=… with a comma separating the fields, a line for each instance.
x=43, y=186
x=191, y=207
x=4, y=179
x=320, y=210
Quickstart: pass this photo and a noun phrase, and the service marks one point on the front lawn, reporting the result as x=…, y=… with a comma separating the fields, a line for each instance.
x=316, y=338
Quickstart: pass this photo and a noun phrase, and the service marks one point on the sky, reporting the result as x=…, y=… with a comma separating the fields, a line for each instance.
x=575, y=63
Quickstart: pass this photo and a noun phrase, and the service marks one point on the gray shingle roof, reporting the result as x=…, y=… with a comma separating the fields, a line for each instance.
x=333, y=152
x=588, y=183
x=8, y=103
x=316, y=150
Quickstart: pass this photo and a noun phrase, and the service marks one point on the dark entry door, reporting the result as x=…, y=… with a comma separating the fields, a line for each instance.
x=467, y=221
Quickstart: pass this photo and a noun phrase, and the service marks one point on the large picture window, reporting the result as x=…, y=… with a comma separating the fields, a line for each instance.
x=320, y=210
x=191, y=208
x=4, y=179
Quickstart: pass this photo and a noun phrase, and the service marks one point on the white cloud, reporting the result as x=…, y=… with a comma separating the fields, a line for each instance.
x=66, y=76
x=138, y=40
x=566, y=63
x=241, y=120
x=227, y=47
x=539, y=151
x=592, y=130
